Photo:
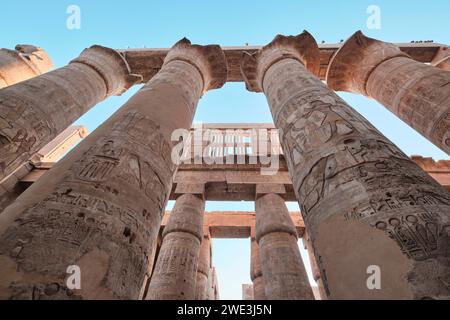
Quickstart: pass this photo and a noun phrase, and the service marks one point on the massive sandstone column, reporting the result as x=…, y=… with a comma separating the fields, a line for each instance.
x=364, y=202
x=256, y=272
x=34, y=112
x=23, y=63
x=204, y=265
x=175, y=272
x=100, y=208
x=442, y=59
x=282, y=268
x=417, y=93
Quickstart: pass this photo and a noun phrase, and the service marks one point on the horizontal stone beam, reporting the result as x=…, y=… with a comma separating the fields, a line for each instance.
x=147, y=62
x=236, y=225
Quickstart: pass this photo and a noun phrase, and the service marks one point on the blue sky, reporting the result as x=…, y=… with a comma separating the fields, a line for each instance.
x=139, y=23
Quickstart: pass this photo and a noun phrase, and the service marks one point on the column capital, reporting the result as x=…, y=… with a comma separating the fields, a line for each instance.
x=36, y=57
x=442, y=58
x=302, y=47
x=112, y=67
x=187, y=216
x=209, y=60
x=353, y=63
x=272, y=216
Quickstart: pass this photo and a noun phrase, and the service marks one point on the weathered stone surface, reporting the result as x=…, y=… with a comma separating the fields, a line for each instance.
x=282, y=268
x=204, y=265
x=12, y=187
x=442, y=59
x=23, y=63
x=417, y=93
x=364, y=202
x=247, y=292
x=101, y=207
x=256, y=272
x=34, y=112
x=175, y=272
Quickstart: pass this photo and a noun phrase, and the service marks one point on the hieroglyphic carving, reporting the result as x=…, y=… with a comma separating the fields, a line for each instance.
x=343, y=169
x=35, y=111
x=102, y=205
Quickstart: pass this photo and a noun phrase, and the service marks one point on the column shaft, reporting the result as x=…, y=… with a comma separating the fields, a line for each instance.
x=417, y=93
x=34, y=112
x=23, y=63
x=100, y=208
x=204, y=265
x=370, y=211
x=256, y=272
x=283, y=271
x=176, y=269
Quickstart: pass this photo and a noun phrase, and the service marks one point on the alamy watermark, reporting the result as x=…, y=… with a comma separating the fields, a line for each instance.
x=207, y=146
x=73, y=21
x=374, y=19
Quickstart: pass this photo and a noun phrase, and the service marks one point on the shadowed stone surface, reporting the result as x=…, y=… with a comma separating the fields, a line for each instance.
x=256, y=272
x=282, y=268
x=23, y=63
x=175, y=272
x=204, y=265
x=417, y=93
x=442, y=59
x=364, y=202
x=34, y=112
x=101, y=207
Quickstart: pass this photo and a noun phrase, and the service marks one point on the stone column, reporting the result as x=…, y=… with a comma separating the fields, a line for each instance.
x=314, y=266
x=442, y=59
x=175, y=272
x=367, y=206
x=204, y=265
x=34, y=112
x=23, y=63
x=417, y=93
x=256, y=272
x=100, y=208
x=282, y=268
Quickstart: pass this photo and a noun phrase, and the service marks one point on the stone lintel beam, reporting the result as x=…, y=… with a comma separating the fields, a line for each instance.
x=147, y=62
x=442, y=59
x=236, y=225
x=35, y=111
x=282, y=268
x=417, y=93
x=23, y=63
x=175, y=273
x=101, y=206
